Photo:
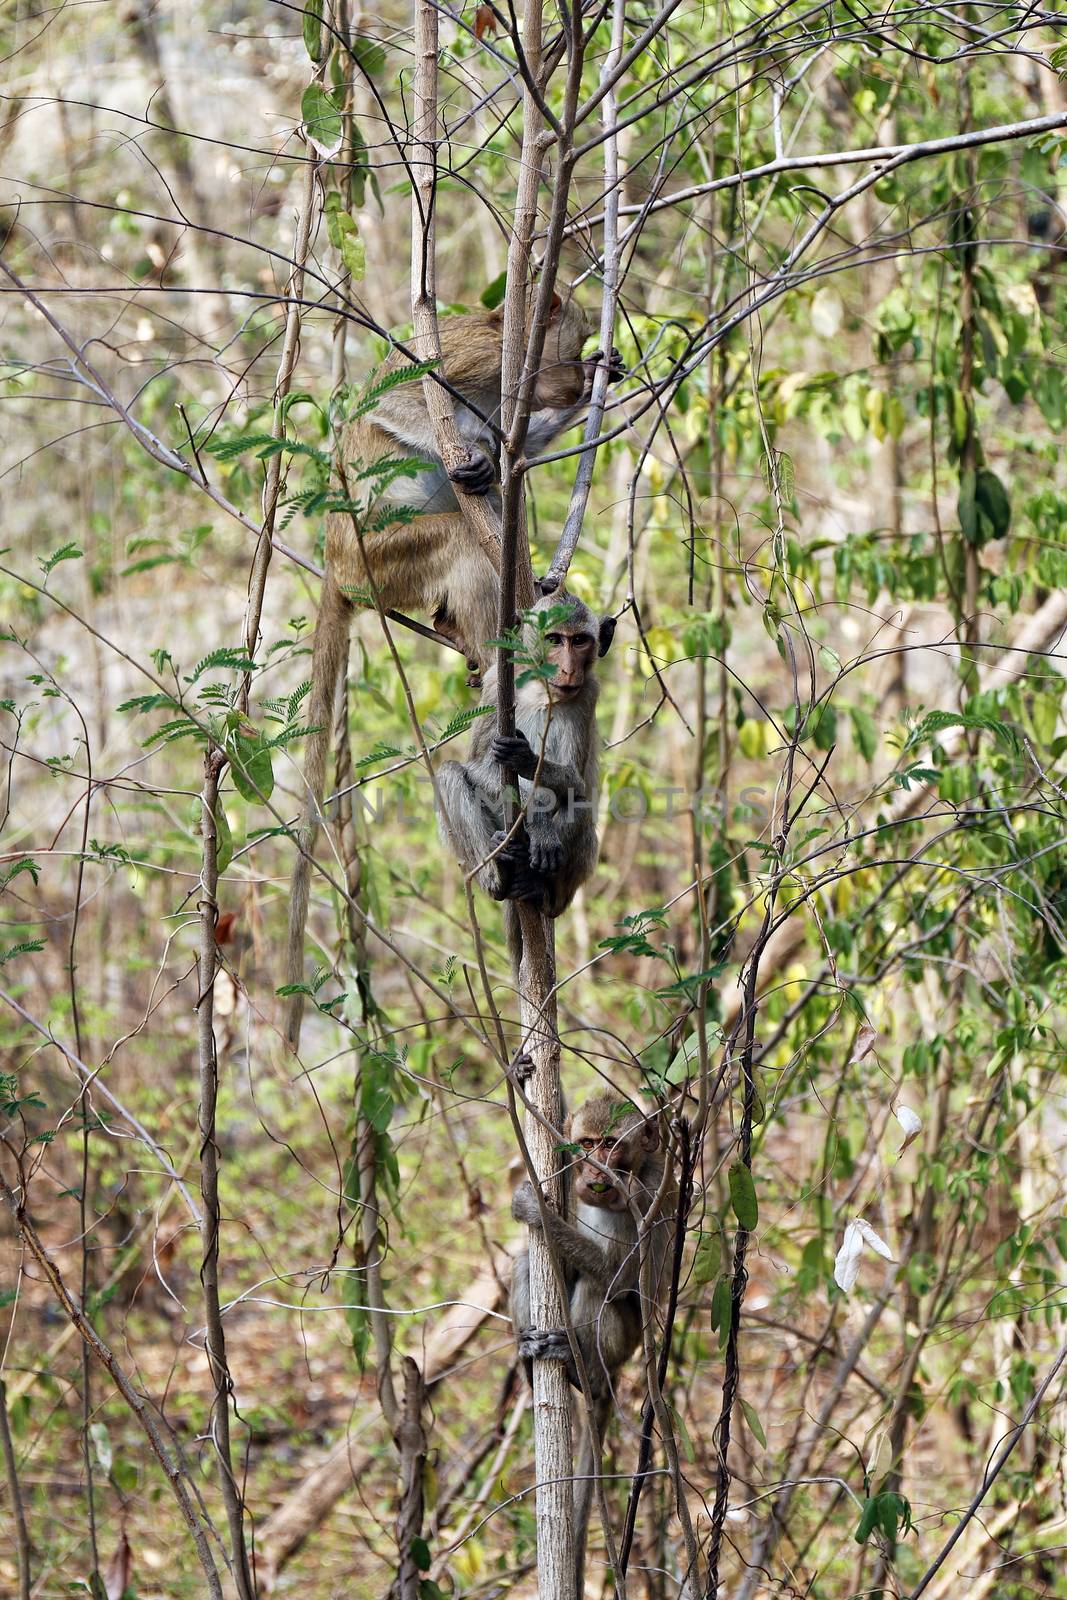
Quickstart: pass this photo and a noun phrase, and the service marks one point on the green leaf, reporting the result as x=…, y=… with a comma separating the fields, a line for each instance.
x=250, y=762
x=66, y=552
x=230, y=449
x=25, y=864
x=493, y=293
x=124, y=1476
x=887, y=1516
x=368, y=54
x=864, y=733
x=235, y=660
x=743, y=1196
x=966, y=508
x=322, y=120
x=937, y=721
x=993, y=503
x=313, y=28
x=354, y=254
x=708, y=1256
x=868, y=1518
x=721, y=1302
x=754, y=1423
x=28, y=947
x=223, y=839
x=419, y=1551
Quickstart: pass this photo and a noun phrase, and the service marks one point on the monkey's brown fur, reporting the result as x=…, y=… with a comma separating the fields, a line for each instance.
x=596, y=1243
x=431, y=563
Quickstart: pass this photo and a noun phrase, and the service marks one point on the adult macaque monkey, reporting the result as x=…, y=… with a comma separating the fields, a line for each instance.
x=430, y=562
x=554, y=752
x=619, y=1169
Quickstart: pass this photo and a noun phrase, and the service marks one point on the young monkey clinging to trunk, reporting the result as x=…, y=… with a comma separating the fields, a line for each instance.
x=554, y=752
x=432, y=562
x=619, y=1162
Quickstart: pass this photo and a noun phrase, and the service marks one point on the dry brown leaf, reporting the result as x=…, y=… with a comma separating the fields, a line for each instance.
x=485, y=22
x=119, y=1574
x=865, y=1041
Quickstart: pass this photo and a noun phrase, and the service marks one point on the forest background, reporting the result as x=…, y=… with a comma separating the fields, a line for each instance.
x=826, y=935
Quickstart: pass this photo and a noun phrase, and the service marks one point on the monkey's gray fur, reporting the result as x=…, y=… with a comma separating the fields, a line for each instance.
x=556, y=743
x=596, y=1243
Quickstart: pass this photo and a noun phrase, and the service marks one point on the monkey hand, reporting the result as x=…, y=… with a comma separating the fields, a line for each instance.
x=515, y=754
x=513, y=852
x=516, y=879
x=616, y=365
x=522, y=1068
x=476, y=475
x=546, y=850
x=524, y=1206
x=544, y=1344
x=616, y=368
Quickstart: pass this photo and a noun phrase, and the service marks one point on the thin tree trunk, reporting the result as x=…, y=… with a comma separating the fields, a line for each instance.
x=14, y=1489
x=211, y=1220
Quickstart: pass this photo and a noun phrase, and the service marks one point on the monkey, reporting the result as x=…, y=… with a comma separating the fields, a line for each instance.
x=553, y=752
x=430, y=562
x=618, y=1161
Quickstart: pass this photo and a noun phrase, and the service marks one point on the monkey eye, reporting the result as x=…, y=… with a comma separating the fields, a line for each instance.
x=582, y=640
x=553, y=638
x=587, y=1144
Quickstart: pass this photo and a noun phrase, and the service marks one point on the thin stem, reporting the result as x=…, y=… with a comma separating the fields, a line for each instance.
x=14, y=1489
x=215, y=1339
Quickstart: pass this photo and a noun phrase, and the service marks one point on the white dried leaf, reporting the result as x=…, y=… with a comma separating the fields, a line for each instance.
x=875, y=1240
x=847, y=1260
x=911, y=1122
x=865, y=1041
x=880, y=1458
x=827, y=313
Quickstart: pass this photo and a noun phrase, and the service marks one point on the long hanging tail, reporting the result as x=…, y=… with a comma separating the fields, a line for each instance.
x=587, y=1469
x=327, y=659
x=513, y=935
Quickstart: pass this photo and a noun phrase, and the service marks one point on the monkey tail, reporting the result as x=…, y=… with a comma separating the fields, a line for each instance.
x=587, y=1470
x=513, y=935
x=331, y=639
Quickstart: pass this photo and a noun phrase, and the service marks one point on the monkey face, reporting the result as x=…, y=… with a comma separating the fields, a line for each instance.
x=623, y=1153
x=572, y=655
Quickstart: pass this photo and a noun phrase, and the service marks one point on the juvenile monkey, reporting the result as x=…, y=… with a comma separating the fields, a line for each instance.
x=597, y=1244
x=554, y=753
x=431, y=563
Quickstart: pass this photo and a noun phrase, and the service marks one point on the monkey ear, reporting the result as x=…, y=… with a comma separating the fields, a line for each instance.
x=650, y=1136
x=607, y=633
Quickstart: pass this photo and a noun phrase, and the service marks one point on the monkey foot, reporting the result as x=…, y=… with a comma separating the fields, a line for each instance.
x=546, y=851
x=530, y=888
x=544, y=1344
x=447, y=628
